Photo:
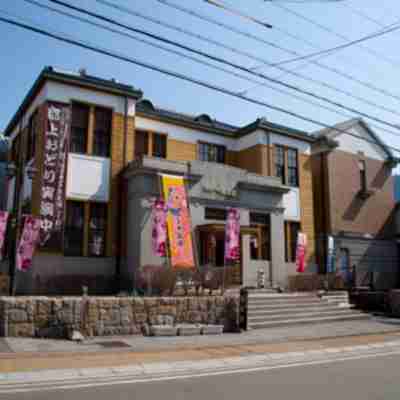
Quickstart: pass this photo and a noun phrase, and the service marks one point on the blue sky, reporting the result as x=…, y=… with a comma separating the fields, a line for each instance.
x=24, y=54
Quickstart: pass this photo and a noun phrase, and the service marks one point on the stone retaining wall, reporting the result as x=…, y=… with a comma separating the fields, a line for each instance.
x=100, y=316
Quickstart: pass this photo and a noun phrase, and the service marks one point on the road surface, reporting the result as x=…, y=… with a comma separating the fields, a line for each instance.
x=356, y=378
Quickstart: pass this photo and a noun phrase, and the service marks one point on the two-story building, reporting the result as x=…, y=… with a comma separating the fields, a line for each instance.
x=354, y=203
x=119, y=143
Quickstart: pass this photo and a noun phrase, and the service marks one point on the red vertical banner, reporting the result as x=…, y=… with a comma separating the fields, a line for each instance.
x=301, y=250
x=28, y=242
x=232, y=236
x=159, y=228
x=3, y=228
x=56, y=146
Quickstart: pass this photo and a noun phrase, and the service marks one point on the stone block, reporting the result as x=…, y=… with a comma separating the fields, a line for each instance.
x=163, y=330
x=212, y=329
x=188, y=329
x=17, y=315
x=21, y=330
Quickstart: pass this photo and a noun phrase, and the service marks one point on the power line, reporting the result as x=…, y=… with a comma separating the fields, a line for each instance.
x=245, y=53
x=222, y=61
x=331, y=50
x=240, y=14
x=164, y=71
x=363, y=15
x=259, y=39
x=199, y=61
x=377, y=54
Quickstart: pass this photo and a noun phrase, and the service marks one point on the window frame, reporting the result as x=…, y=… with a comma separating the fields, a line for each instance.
x=32, y=133
x=103, y=229
x=163, y=137
x=285, y=165
x=86, y=135
x=290, y=241
x=362, y=166
x=263, y=249
x=106, y=151
x=67, y=251
x=203, y=149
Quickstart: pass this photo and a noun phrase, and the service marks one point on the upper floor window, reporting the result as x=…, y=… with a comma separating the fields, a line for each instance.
x=280, y=163
x=159, y=145
x=363, y=175
x=79, y=128
x=142, y=144
x=102, y=132
x=211, y=152
x=287, y=165
x=292, y=165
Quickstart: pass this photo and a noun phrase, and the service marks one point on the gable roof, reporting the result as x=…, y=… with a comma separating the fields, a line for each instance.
x=346, y=125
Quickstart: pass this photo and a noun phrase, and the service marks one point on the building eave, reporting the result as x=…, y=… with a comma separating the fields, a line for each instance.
x=84, y=81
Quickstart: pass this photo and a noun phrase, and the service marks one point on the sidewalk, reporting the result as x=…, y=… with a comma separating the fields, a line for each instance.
x=35, y=354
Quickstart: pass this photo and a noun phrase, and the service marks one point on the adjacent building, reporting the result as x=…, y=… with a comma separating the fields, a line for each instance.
x=3, y=182
x=354, y=203
x=119, y=144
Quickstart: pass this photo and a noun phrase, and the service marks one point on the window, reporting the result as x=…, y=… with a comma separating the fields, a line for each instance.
x=79, y=128
x=215, y=213
x=291, y=231
x=97, y=229
x=141, y=144
x=74, y=229
x=260, y=244
x=159, y=145
x=286, y=165
x=102, y=132
x=293, y=176
x=76, y=233
x=280, y=163
x=363, y=175
x=32, y=132
x=211, y=152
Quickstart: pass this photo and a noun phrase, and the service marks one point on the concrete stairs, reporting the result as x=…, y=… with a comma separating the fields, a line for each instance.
x=266, y=309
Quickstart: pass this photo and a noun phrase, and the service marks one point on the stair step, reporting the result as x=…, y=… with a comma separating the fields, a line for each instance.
x=300, y=315
x=281, y=305
x=304, y=321
x=293, y=310
x=279, y=296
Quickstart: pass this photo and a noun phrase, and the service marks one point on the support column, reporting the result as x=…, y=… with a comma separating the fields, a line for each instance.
x=278, y=270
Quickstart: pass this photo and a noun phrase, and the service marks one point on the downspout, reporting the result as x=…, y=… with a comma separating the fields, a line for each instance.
x=121, y=200
x=271, y=281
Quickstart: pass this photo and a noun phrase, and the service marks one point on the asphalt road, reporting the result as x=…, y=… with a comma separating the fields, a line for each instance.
x=365, y=379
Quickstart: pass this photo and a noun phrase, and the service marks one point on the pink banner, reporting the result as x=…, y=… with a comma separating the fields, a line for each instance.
x=27, y=243
x=3, y=228
x=56, y=145
x=232, y=235
x=159, y=229
x=301, y=252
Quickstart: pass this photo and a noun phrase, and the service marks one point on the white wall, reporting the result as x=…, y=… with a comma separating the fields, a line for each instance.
x=300, y=145
x=353, y=145
x=291, y=202
x=88, y=178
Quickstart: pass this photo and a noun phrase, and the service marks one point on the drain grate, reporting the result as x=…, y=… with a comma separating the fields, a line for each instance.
x=113, y=344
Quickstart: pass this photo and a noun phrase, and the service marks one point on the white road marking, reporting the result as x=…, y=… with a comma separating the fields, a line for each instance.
x=32, y=387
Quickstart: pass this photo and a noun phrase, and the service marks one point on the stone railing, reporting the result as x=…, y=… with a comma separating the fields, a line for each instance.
x=100, y=316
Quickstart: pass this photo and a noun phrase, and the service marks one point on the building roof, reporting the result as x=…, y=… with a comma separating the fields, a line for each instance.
x=77, y=79
x=147, y=109
x=203, y=121
x=345, y=125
